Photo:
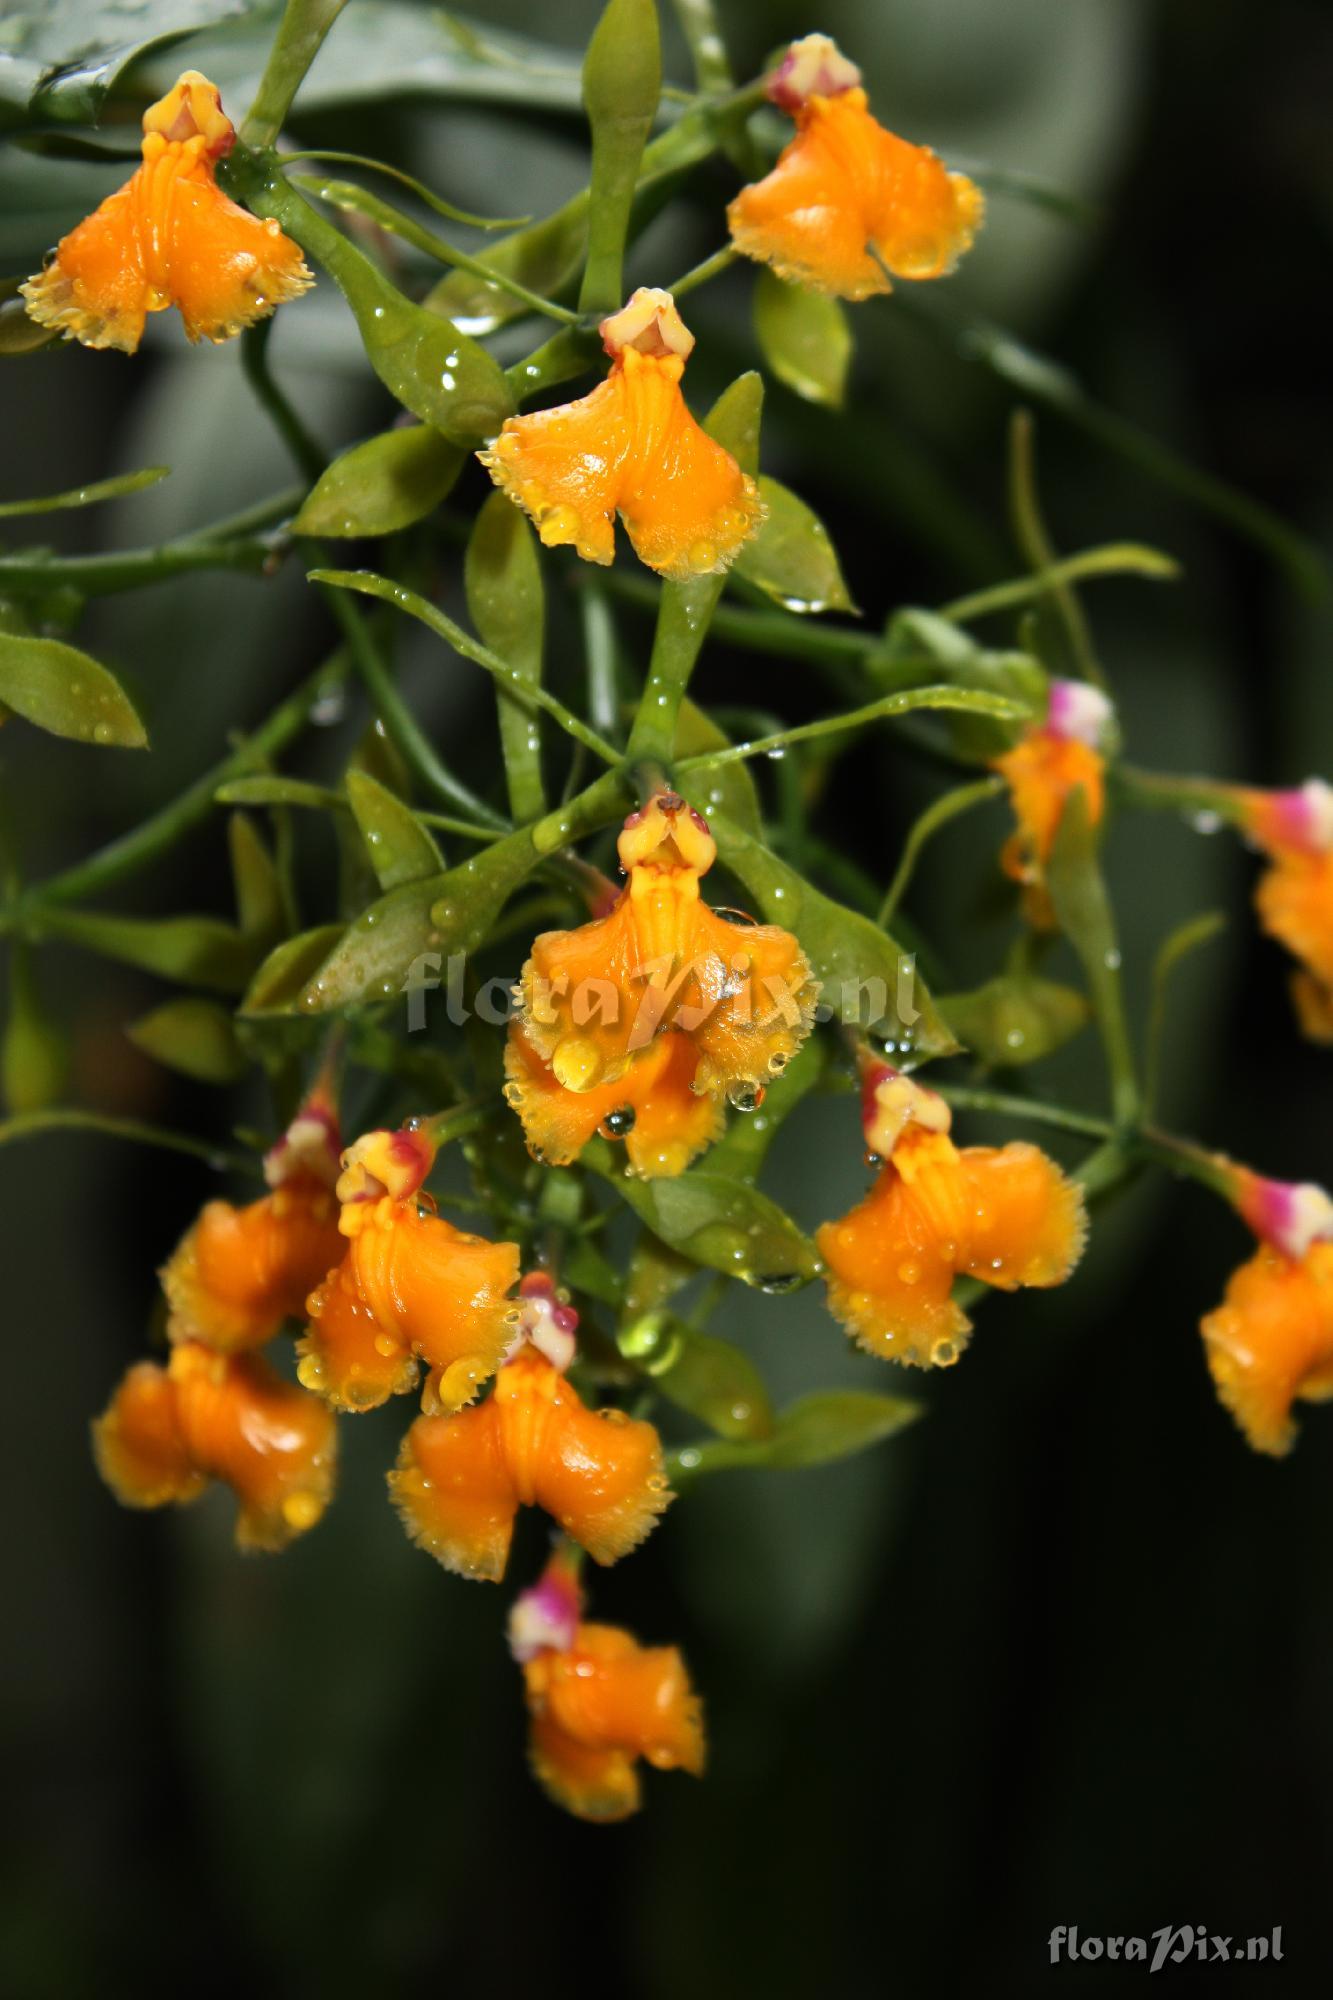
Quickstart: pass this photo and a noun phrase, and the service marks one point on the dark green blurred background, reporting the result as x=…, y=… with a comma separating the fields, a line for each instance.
x=1059, y=1656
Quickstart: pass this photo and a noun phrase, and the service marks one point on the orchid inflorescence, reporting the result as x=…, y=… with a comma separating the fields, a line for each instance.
x=656, y=1039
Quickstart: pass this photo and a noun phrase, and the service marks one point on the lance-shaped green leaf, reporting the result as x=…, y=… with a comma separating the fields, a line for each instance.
x=805, y=339
x=280, y=981
x=505, y=600
x=543, y=258
x=1013, y=1020
x=270, y=788
x=198, y=951
x=1184, y=940
x=261, y=906
x=381, y=485
x=196, y=1037
x=922, y=646
x=66, y=692
x=685, y=609
x=728, y=788
x=376, y=958
x=790, y=558
x=401, y=849
x=831, y=1424
x=722, y=1223
x=1083, y=911
x=708, y=1377
x=622, y=82
x=436, y=372
x=866, y=976
x=87, y=496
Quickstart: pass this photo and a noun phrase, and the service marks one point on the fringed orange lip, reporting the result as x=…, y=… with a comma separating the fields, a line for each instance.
x=600, y=1705
x=169, y=237
x=631, y=448
x=845, y=187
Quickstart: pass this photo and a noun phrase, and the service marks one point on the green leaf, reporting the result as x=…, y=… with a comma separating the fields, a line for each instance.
x=791, y=558
x=269, y=788
x=804, y=337
x=948, y=653
x=400, y=847
x=708, y=1377
x=62, y=690
x=62, y=57
x=544, y=258
x=728, y=788
x=1186, y=938
x=261, y=907
x=503, y=579
x=434, y=371
x=381, y=485
x=741, y=1151
x=1083, y=911
x=451, y=912
x=1013, y=1020
x=722, y=1223
x=685, y=609
x=831, y=1424
x=866, y=976
x=280, y=981
x=622, y=82
x=195, y=1036
x=198, y=951
x=87, y=496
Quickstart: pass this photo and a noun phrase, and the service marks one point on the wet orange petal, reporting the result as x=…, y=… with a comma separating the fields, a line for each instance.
x=630, y=447
x=409, y=1285
x=597, y=1785
x=454, y=1491
x=609, y=1698
x=1271, y=1341
x=1042, y=771
x=169, y=237
x=1294, y=900
x=663, y=1121
x=273, y=1444
x=240, y=1272
x=1028, y=1223
x=138, y=1444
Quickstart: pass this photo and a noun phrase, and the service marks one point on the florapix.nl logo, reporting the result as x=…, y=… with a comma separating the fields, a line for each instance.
x=1173, y=1944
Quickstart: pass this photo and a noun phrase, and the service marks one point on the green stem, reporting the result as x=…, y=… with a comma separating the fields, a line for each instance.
x=974, y=700
x=931, y=820
x=1024, y=1108
x=1113, y=559
x=300, y=35
x=30, y=1124
x=103, y=576
x=309, y=458
x=711, y=267
x=1035, y=544
x=1156, y=791
x=622, y=83
x=699, y=25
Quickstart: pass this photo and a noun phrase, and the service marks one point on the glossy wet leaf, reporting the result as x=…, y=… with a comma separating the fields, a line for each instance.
x=544, y=257
x=281, y=979
x=710, y=1378
x=62, y=57
x=196, y=1037
x=261, y=907
x=719, y=1222
x=383, y=484
x=374, y=958
x=804, y=337
x=401, y=849
x=198, y=951
x=436, y=372
x=728, y=788
x=865, y=974
x=87, y=496
x=67, y=693
x=791, y=558
x=1013, y=1020
x=622, y=82
x=946, y=652
x=828, y=1425
x=685, y=609
x=505, y=600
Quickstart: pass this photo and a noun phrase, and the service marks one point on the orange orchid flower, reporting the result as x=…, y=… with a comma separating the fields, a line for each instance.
x=742, y=995
x=461, y=1479
x=844, y=188
x=168, y=1432
x=410, y=1288
x=238, y=1273
x=1270, y=1342
x=169, y=237
x=1050, y=761
x=1294, y=897
x=653, y=1107
x=1006, y=1215
x=631, y=448
x=598, y=1704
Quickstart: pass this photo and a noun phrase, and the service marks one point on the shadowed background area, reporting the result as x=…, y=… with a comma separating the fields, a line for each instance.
x=1059, y=1655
